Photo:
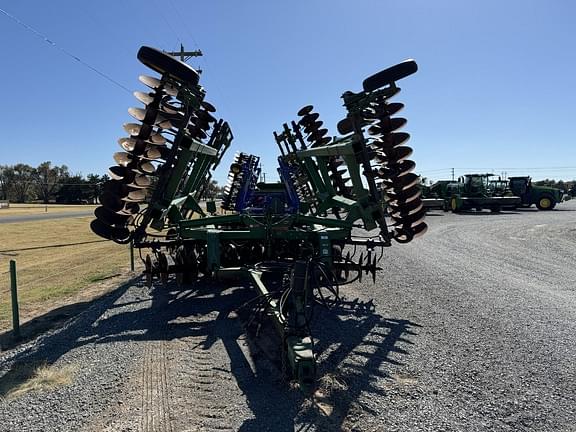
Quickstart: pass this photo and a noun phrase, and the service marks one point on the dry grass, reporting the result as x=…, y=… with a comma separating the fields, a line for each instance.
x=26, y=379
x=49, y=277
x=26, y=209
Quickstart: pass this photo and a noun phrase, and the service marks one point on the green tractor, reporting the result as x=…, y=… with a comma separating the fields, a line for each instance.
x=433, y=196
x=544, y=197
x=477, y=192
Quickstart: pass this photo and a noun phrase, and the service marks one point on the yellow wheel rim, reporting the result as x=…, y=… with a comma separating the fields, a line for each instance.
x=454, y=204
x=545, y=202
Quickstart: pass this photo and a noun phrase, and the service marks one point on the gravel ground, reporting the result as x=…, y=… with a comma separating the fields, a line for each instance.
x=471, y=328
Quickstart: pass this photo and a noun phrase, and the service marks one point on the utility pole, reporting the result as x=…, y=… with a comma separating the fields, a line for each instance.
x=452, y=174
x=185, y=55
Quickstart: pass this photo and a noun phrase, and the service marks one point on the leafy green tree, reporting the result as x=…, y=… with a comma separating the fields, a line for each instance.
x=21, y=183
x=73, y=190
x=48, y=179
x=6, y=174
x=95, y=183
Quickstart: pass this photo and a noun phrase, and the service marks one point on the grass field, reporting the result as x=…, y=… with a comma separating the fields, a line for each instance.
x=25, y=209
x=58, y=262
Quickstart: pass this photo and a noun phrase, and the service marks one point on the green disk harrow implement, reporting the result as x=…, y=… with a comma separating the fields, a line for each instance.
x=341, y=199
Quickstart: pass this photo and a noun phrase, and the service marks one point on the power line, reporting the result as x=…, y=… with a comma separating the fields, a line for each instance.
x=68, y=53
x=159, y=8
x=202, y=59
x=501, y=168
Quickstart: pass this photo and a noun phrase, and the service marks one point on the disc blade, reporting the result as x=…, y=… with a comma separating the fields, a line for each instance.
x=387, y=125
x=309, y=119
x=410, y=220
x=145, y=168
x=145, y=98
x=155, y=83
x=206, y=116
x=116, y=187
x=305, y=110
x=111, y=218
x=136, y=195
x=407, y=209
x=420, y=229
x=394, y=107
x=390, y=140
x=132, y=145
x=397, y=154
x=149, y=81
x=132, y=128
x=138, y=113
x=123, y=158
x=141, y=181
x=121, y=173
x=403, y=182
x=129, y=208
x=157, y=139
x=407, y=234
x=405, y=195
x=111, y=201
x=109, y=232
x=208, y=106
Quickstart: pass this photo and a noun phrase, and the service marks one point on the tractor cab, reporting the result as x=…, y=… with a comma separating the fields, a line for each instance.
x=477, y=184
x=520, y=186
x=544, y=197
x=498, y=187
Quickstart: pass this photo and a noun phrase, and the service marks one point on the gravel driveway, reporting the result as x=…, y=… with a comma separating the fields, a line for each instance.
x=471, y=328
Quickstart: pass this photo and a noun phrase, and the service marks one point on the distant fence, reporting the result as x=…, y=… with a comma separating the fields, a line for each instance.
x=4, y=204
x=51, y=285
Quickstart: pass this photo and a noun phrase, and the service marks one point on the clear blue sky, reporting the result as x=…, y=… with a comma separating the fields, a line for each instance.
x=495, y=89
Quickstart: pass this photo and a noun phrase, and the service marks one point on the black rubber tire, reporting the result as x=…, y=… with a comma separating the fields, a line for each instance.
x=454, y=208
x=543, y=207
x=166, y=64
x=495, y=209
x=388, y=76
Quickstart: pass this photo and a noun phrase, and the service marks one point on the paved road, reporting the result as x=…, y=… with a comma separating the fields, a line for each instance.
x=470, y=328
x=44, y=216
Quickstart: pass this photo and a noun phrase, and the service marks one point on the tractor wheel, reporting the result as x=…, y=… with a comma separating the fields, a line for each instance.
x=454, y=205
x=185, y=258
x=546, y=202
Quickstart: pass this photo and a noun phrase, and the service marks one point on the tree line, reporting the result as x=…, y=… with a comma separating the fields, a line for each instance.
x=560, y=184
x=47, y=183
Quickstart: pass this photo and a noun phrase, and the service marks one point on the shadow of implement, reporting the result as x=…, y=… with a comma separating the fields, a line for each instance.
x=351, y=330
x=51, y=346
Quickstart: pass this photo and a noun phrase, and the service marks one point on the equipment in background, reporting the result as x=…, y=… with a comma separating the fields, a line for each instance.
x=480, y=191
x=473, y=191
x=341, y=200
x=544, y=197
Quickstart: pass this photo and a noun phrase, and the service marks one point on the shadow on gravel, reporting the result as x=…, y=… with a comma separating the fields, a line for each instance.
x=364, y=342
x=52, y=345
x=34, y=327
x=211, y=312
x=354, y=348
